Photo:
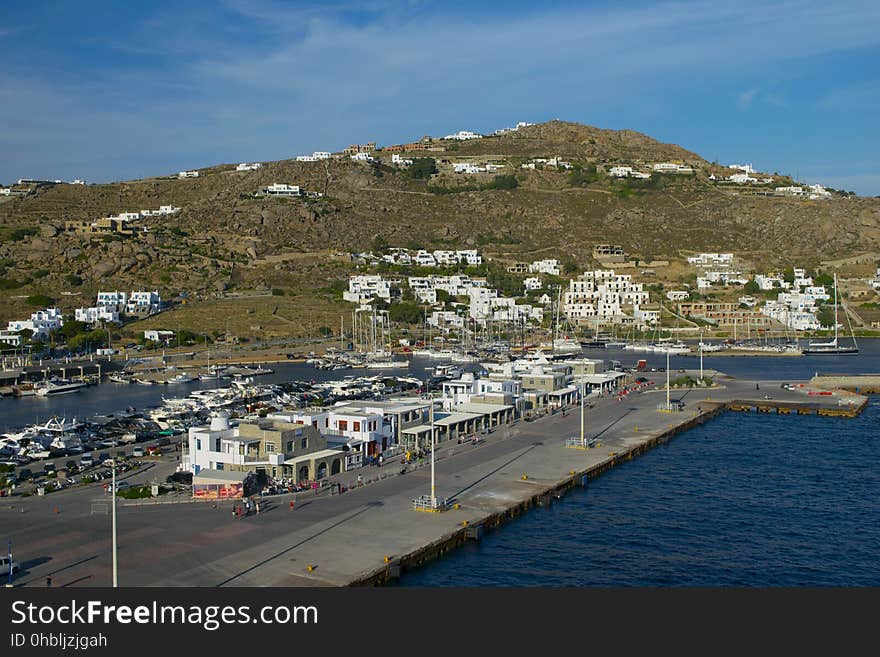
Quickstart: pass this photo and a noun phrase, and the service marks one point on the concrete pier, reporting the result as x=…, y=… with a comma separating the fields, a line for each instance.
x=370, y=534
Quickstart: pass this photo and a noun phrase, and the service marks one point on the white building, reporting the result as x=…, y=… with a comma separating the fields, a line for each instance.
x=711, y=259
x=188, y=174
x=742, y=178
x=97, y=314
x=281, y=189
x=670, y=167
x=362, y=157
x=397, y=160
x=143, y=302
x=818, y=192
x=40, y=323
x=791, y=190
x=549, y=266
x=602, y=293
x=446, y=319
x=114, y=299
x=155, y=335
x=620, y=172
x=12, y=338
x=771, y=281
x=468, y=167
x=464, y=135
x=678, y=295
x=533, y=283
x=363, y=288
x=423, y=258
x=745, y=168
x=249, y=166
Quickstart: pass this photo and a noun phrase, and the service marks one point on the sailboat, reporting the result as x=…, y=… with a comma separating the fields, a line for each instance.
x=832, y=347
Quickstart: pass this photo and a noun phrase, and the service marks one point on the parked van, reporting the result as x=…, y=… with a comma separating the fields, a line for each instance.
x=86, y=460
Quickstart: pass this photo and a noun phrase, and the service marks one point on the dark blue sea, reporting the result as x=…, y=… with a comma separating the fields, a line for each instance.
x=744, y=500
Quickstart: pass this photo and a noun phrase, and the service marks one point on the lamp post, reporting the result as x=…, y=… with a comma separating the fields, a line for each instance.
x=583, y=391
x=668, y=407
x=701, y=355
x=433, y=490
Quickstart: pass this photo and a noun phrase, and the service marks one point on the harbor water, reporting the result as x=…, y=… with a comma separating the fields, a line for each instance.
x=744, y=500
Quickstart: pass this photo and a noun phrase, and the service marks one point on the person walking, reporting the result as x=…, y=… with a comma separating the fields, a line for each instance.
x=234, y=512
x=257, y=507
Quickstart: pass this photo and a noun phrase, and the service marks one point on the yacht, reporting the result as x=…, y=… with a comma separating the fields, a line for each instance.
x=59, y=387
x=832, y=346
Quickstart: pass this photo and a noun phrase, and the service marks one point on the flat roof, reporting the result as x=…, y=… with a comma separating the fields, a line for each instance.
x=563, y=391
x=418, y=429
x=209, y=476
x=482, y=408
x=324, y=453
x=601, y=377
x=455, y=418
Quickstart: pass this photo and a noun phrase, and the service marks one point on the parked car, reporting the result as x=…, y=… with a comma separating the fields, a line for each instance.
x=121, y=485
x=48, y=467
x=164, y=440
x=25, y=474
x=109, y=442
x=4, y=565
x=154, y=450
x=86, y=460
x=103, y=457
x=138, y=452
x=120, y=455
x=71, y=466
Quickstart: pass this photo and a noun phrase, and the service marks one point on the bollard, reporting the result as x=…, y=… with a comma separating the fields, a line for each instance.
x=387, y=559
x=456, y=506
x=464, y=523
x=525, y=477
x=310, y=567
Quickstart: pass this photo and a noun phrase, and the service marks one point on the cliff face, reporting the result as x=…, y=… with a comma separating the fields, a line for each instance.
x=223, y=237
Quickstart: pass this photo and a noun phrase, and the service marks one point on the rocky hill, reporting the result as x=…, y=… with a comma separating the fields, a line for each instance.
x=224, y=240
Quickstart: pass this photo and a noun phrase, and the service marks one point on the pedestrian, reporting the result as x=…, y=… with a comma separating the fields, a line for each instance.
x=291, y=504
x=234, y=512
x=257, y=506
x=247, y=506
x=757, y=386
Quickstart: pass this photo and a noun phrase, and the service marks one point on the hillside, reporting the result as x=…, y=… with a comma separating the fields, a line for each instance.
x=225, y=241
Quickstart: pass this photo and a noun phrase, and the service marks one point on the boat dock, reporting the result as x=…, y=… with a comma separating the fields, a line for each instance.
x=370, y=533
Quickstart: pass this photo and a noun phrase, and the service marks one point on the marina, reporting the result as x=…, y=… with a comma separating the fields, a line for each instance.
x=518, y=467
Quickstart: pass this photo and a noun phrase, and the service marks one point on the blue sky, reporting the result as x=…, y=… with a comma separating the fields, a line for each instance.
x=113, y=91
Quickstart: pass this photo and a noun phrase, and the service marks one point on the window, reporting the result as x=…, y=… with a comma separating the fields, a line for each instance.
x=342, y=425
x=289, y=446
x=270, y=448
x=219, y=465
x=304, y=443
x=356, y=426
x=198, y=443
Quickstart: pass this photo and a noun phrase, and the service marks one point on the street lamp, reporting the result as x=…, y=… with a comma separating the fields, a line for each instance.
x=701, y=356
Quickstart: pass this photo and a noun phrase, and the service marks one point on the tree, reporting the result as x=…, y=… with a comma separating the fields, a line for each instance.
x=826, y=316
x=40, y=300
x=751, y=287
x=406, y=313
x=503, y=182
x=422, y=167
x=788, y=275
x=380, y=244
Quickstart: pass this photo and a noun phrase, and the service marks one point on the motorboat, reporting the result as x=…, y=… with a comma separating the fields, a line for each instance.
x=59, y=387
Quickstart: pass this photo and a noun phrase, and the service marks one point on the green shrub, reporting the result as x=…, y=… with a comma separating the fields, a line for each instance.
x=40, y=300
x=73, y=279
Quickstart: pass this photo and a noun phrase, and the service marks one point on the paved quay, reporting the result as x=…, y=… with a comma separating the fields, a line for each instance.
x=345, y=539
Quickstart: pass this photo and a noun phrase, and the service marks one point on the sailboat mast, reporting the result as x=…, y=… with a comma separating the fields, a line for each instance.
x=835, y=308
